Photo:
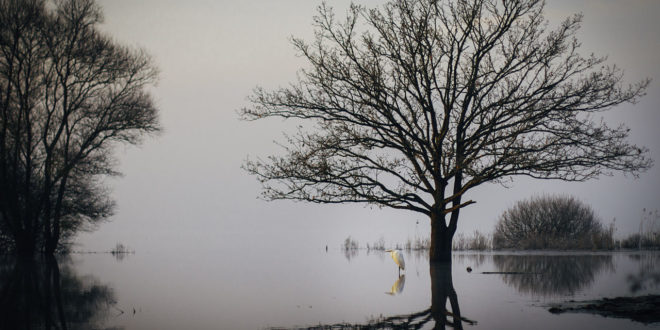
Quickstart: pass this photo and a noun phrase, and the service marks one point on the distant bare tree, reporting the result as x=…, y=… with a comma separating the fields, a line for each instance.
x=550, y=222
x=419, y=101
x=68, y=94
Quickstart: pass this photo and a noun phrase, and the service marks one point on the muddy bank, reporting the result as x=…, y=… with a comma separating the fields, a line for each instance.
x=645, y=309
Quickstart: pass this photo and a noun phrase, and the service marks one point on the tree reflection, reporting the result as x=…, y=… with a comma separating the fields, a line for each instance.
x=548, y=275
x=350, y=254
x=442, y=295
x=648, y=274
x=44, y=295
x=442, y=291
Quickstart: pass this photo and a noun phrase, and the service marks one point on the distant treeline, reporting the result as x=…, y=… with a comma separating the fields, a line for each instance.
x=555, y=222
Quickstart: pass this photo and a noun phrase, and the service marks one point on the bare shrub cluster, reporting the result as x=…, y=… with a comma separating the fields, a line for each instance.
x=551, y=222
x=350, y=244
x=478, y=241
x=379, y=245
x=649, y=233
x=418, y=244
x=411, y=244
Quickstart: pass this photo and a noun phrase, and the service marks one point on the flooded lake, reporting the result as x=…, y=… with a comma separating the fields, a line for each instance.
x=263, y=289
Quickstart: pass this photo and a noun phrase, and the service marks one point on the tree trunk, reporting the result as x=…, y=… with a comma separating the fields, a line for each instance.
x=54, y=236
x=25, y=245
x=441, y=239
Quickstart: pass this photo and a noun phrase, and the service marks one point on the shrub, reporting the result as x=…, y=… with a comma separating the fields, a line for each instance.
x=350, y=244
x=551, y=222
x=477, y=241
x=378, y=245
x=119, y=249
x=417, y=244
x=649, y=233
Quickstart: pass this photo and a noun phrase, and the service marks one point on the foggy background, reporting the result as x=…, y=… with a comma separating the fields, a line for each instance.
x=185, y=189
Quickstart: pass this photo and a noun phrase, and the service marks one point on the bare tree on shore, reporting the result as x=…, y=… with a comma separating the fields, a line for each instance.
x=68, y=94
x=413, y=104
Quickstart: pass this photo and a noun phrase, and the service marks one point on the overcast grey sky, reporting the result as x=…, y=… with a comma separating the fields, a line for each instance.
x=186, y=188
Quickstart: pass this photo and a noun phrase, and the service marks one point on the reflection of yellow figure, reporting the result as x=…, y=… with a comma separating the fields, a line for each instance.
x=397, y=287
x=397, y=256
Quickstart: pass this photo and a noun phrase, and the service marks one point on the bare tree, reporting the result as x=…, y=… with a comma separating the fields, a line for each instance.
x=419, y=101
x=68, y=94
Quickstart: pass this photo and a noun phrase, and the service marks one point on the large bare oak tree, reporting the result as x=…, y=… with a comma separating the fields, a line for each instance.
x=68, y=94
x=419, y=101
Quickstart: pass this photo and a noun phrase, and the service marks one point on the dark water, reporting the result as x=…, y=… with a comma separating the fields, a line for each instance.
x=257, y=289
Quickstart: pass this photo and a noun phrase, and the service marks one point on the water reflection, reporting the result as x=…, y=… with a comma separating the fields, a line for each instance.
x=397, y=287
x=648, y=272
x=42, y=294
x=119, y=257
x=474, y=260
x=350, y=254
x=442, y=292
x=548, y=275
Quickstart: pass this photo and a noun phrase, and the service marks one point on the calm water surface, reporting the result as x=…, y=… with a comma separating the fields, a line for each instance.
x=257, y=289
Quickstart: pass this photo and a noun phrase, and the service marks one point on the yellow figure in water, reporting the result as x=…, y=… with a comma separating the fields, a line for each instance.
x=397, y=256
x=397, y=288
